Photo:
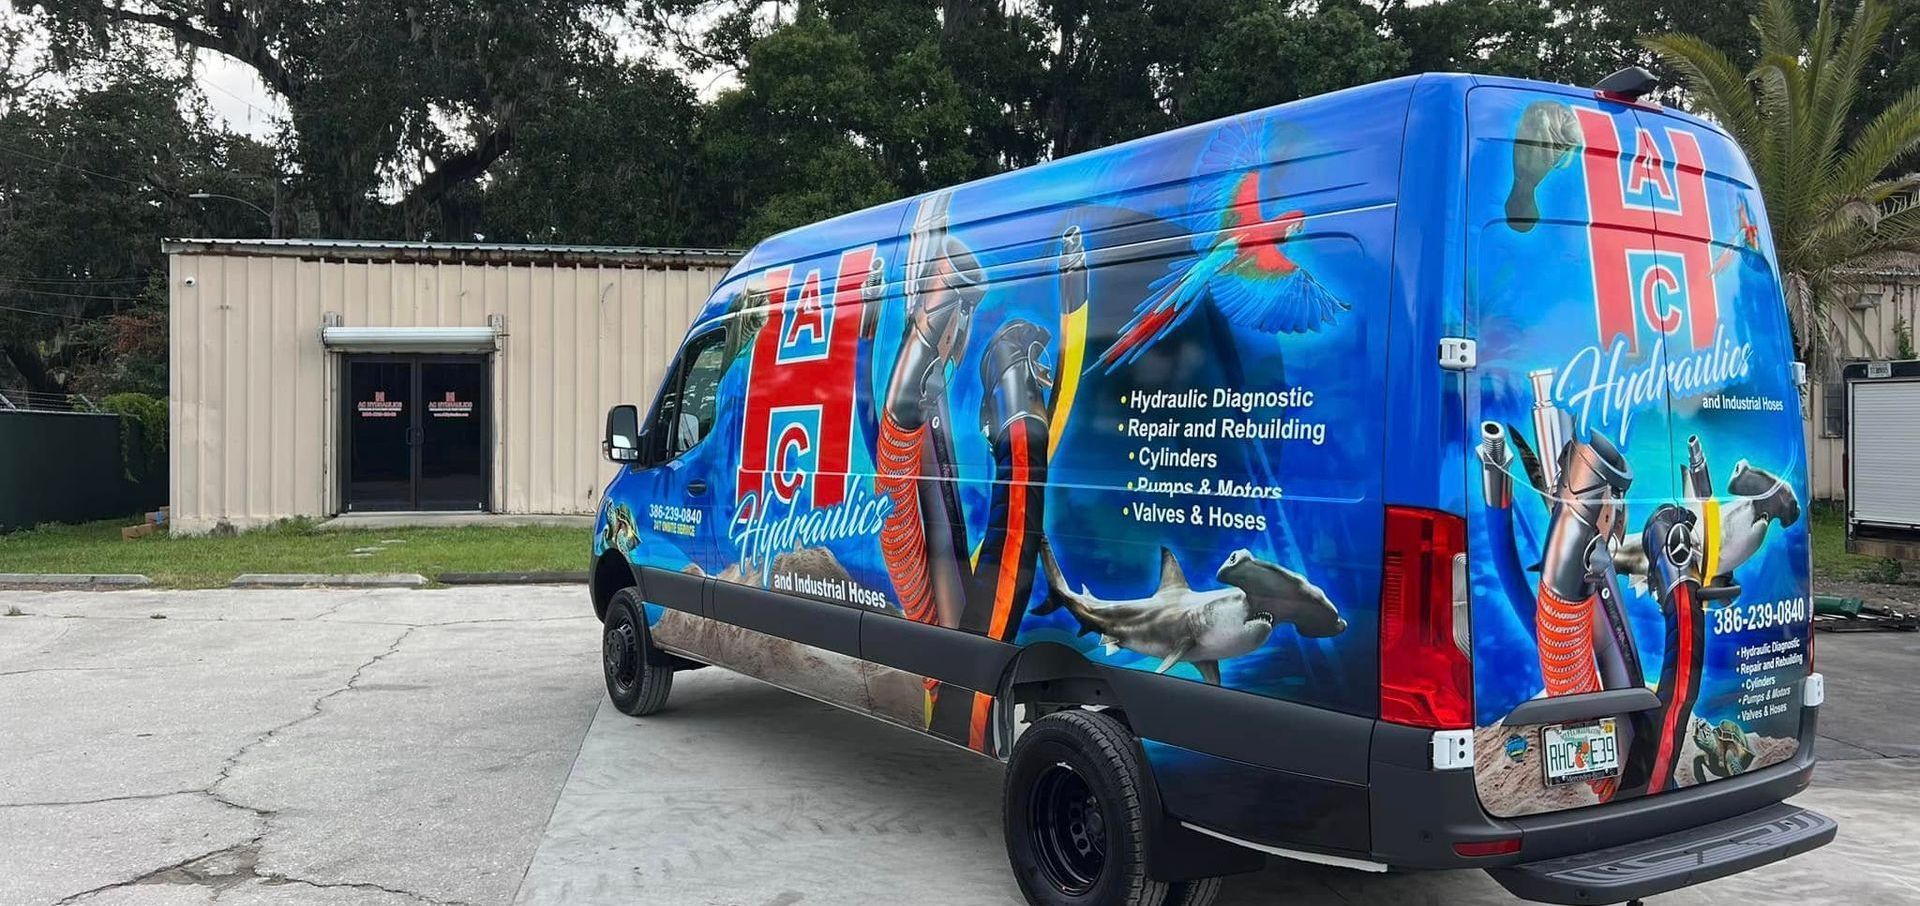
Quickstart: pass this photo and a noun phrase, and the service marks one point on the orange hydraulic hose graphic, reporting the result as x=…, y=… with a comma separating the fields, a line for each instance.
x=1007, y=585
x=902, y=538
x=1566, y=644
x=1586, y=500
x=1008, y=577
x=977, y=725
x=925, y=535
x=1566, y=655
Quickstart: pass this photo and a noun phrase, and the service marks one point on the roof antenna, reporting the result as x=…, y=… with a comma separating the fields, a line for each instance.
x=1629, y=84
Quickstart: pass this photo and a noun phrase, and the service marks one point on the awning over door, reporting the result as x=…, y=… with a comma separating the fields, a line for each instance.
x=409, y=339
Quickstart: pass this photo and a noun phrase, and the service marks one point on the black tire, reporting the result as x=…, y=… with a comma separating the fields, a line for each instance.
x=1193, y=893
x=639, y=676
x=1074, y=806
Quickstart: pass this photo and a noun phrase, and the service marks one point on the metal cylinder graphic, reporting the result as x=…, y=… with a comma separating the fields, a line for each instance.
x=1550, y=426
x=1699, y=482
x=1496, y=483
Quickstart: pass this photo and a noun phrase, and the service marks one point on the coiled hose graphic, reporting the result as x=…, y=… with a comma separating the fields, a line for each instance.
x=902, y=538
x=1567, y=662
x=1566, y=644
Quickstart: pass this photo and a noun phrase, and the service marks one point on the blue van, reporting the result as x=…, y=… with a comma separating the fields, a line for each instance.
x=1408, y=477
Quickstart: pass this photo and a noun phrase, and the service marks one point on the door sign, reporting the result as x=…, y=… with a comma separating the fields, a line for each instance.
x=381, y=407
x=450, y=407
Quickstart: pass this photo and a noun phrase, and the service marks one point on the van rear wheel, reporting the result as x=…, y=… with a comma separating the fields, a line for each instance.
x=639, y=675
x=1075, y=814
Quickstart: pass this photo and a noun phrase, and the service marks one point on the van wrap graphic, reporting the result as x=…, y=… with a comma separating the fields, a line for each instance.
x=1637, y=463
x=1143, y=424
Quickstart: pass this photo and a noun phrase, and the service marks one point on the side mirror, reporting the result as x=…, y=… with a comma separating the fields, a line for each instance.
x=622, y=443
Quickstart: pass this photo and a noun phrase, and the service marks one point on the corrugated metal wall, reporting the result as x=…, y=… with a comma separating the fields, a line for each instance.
x=1867, y=334
x=255, y=398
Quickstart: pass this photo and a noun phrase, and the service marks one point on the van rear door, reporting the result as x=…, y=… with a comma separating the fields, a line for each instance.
x=1736, y=423
x=1610, y=308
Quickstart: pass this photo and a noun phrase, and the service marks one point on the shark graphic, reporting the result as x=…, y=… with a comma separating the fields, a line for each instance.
x=1178, y=624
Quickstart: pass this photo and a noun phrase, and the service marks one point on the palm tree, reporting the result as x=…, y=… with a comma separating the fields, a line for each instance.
x=1837, y=198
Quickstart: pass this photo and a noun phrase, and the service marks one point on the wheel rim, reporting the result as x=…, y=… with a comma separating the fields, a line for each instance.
x=622, y=648
x=1069, y=829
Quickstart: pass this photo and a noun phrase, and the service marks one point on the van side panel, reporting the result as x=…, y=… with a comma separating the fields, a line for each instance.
x=1129, y=404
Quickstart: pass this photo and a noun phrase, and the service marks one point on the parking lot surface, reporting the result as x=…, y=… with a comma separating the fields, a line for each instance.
x=450, y=746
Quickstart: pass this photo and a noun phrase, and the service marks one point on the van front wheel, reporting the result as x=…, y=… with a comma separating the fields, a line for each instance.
x=638, y=674
x=1075, y=815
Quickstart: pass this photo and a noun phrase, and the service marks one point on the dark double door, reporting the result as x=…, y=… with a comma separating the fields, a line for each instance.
x=417, y=433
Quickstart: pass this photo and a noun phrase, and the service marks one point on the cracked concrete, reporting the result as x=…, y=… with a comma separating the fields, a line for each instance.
x=286, y=746
x=217, y=873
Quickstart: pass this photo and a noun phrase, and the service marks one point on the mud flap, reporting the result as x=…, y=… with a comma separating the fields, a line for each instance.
x=1180, y=853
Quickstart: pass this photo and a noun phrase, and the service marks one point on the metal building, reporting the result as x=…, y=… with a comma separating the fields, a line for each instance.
x=312, y=378
x=1872, y=320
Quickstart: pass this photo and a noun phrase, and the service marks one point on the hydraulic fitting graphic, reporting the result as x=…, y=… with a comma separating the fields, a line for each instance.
x=1551, y=426
x=1673, y=573
x=1496, y=483
x=1699, y=482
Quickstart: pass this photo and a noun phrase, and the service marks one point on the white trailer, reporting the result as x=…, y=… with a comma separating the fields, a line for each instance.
x=1883, y=458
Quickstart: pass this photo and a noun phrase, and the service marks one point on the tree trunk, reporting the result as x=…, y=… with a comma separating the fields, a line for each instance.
x=1058, y=107
x=1804, y=318
x=32, y=368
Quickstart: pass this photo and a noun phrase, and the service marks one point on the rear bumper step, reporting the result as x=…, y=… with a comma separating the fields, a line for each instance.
x=1679, y=859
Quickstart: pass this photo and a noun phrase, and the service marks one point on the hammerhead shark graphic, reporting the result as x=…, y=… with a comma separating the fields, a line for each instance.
x=1201, y=628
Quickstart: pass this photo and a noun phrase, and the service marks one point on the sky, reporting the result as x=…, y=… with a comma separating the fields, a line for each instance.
x=237, y=97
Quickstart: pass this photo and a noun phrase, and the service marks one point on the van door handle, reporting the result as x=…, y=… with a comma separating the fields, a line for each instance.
x=696, y=487
x=1586, y=706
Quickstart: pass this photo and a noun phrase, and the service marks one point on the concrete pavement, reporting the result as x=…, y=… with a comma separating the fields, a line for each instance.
x=450, y=746
x=740, y=793
x=288, y=746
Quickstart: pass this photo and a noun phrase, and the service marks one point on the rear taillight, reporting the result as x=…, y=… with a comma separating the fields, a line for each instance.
x=1426, y=675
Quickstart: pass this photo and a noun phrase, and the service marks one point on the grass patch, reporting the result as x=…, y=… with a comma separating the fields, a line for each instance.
x=293, y=546
x=1830, y=557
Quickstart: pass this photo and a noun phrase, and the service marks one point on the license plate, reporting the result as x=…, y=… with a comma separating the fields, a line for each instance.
x=1576, y=752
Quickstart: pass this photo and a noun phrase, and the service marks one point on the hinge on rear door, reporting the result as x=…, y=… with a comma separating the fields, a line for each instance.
x=1452, y=750
x=1458, y=354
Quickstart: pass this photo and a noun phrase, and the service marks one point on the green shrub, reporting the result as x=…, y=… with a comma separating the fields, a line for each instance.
x=150, y=412
x=1886, y=571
